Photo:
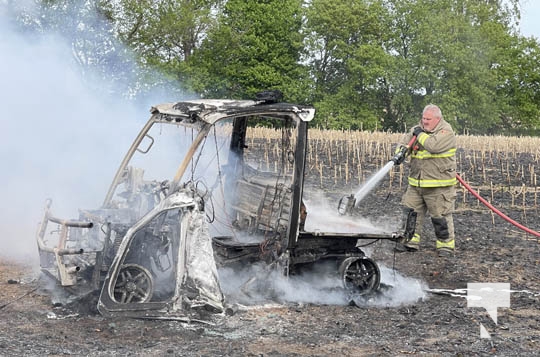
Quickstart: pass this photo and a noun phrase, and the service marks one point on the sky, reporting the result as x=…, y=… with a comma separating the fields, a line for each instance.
x=530, y=15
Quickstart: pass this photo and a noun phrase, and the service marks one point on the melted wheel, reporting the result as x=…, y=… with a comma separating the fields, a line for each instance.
x=133, y=285
x=360, y=274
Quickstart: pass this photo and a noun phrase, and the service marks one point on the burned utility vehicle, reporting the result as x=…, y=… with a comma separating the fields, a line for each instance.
x=206, y=183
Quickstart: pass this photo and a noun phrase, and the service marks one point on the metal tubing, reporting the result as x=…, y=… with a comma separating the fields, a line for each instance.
x=72, y=270
x=75, y=224
x=67, y=251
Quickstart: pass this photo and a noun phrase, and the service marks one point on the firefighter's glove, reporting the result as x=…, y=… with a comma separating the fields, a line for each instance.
x=400, y=154
x=417, y=130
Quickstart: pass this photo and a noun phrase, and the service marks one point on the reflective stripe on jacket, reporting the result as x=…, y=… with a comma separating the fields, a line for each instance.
x=433, y=158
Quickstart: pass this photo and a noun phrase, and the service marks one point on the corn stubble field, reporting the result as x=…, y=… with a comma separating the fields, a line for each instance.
x=503, y=170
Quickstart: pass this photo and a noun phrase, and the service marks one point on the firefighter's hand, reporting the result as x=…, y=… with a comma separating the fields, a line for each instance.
x=417, y=131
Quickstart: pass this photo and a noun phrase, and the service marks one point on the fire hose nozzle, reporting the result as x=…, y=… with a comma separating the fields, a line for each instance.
x=346, y=205
x=401, y=152
x=400, y=155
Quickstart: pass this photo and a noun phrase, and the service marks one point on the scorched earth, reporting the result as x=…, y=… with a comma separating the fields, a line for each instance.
x=422, y=307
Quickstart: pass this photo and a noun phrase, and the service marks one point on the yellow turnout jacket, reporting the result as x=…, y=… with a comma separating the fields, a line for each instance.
x=433, y=157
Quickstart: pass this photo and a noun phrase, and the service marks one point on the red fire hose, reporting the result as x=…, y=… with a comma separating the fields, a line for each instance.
x=490, y=206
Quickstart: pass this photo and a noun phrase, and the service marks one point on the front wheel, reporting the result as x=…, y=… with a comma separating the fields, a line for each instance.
x=360, y=274
x=134, y=284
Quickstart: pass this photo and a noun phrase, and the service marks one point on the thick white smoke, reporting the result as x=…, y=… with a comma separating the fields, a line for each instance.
x=323, y=216
x=256, y=284
x=61, y=138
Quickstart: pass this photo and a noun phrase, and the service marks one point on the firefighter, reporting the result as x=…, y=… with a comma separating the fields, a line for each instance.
x=432, y=180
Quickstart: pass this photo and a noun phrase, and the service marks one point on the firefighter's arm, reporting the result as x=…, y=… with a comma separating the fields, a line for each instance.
x=405, y=146
x=439, y=142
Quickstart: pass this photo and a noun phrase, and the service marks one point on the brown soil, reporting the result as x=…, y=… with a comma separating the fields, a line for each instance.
x=489, y=250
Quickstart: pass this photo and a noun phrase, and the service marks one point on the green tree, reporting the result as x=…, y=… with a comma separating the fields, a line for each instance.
x=163, y=33
x=518, y=90
x=80, y=25
x=347, y=60
x=377, y=63
x=256, y=46
x=449, y=52
x=364, y=64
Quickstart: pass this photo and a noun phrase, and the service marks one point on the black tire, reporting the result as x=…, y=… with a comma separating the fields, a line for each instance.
x=360, y=274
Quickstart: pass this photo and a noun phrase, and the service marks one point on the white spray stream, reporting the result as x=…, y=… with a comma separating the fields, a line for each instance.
x=256, y=284
x=372, y=182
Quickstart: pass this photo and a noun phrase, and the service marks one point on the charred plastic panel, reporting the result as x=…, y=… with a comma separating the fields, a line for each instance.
x=164, y=265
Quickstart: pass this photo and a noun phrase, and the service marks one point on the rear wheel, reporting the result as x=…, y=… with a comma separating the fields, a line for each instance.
x=360, y=274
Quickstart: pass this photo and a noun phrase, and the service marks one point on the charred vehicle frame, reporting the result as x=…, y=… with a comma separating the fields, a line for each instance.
x=154, y=247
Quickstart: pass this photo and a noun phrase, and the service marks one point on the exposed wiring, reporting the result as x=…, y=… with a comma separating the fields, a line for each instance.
x=491, y=207
x=368, y=244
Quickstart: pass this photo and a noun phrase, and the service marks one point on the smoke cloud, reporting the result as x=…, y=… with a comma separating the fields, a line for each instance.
x=256, y=284
x=64, y=133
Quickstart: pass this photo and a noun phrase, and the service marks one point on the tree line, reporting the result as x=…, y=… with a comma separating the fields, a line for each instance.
x=364, y=64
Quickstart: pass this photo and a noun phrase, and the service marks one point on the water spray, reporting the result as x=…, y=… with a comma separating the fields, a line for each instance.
x=372, y=182
x=379, y=175
x=399, y=157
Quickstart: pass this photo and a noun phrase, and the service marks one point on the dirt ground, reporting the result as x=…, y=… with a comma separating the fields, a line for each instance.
x=489, y=250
